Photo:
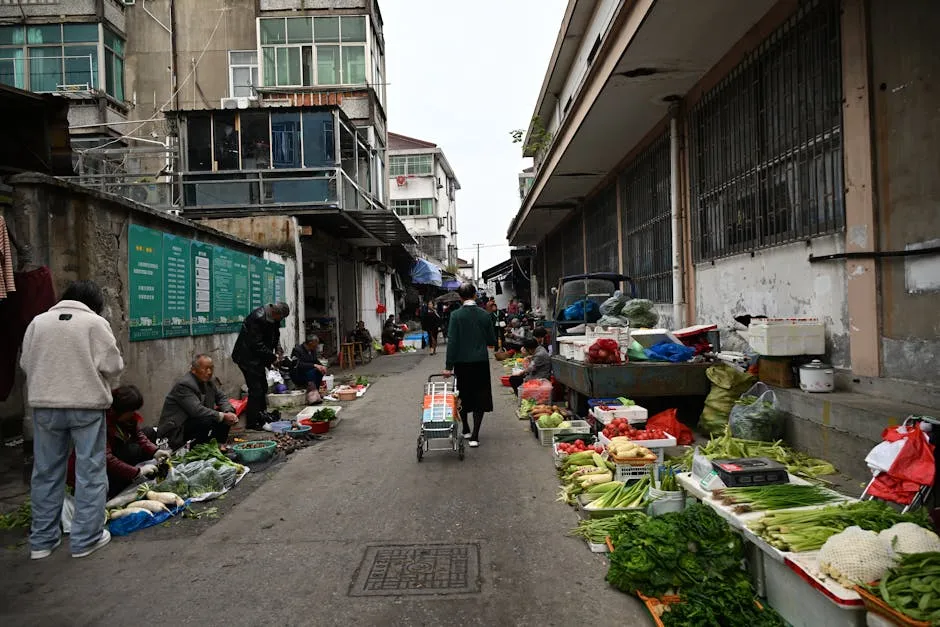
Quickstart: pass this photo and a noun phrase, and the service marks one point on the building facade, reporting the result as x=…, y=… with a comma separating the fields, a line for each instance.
x=423, y=193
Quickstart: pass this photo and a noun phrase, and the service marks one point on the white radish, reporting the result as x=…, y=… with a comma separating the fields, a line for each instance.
x=151, y=506
x=167, y=498
x=122, y=500
x=127, y=511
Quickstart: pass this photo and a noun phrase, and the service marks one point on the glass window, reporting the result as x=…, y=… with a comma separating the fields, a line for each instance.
x=198, y=143
x=273, y=31
x=354, y=29
x=288, y=66
x=299, y=30
x=319, y=139
x=114, y=75
x=51, y=34
x=328, y=65
x=81, y=65
x=255, y=138
x=79, y=33
x=113, y=41
x=12, y=67
x=11, y=35
x=270, y=66
x=326, y=30
x=354, y=65
x=285, y=139
x=45, y=68
x=243, y=76
x=225, y=141
x=243, y=57
x=347, y=148
x=306, y=64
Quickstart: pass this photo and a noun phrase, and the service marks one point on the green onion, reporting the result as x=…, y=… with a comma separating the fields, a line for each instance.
x=771, y=497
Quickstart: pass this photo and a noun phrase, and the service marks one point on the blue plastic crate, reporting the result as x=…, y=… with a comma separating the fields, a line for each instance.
x=613, y=402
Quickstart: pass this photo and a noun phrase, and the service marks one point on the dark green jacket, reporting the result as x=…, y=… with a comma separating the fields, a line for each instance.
x=468, y=335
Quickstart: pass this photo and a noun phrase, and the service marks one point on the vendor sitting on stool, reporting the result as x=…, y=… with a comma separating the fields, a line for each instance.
x=125, y=443
x=307, y=372
x=195, y=409
x=540, y=364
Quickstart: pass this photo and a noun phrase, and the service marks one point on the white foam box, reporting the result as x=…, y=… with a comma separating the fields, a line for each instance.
x=634, y=414
x=777, y=337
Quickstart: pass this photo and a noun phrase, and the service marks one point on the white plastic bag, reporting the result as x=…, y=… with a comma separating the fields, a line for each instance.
x=68, y=513
x=761, y=420
x=880, y=458
x=274, y=377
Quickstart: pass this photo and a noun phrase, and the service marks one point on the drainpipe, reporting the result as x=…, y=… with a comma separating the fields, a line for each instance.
x=677, y=274
x=173, y=61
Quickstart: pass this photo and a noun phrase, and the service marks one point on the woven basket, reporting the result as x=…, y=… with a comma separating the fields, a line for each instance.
x=346, y=396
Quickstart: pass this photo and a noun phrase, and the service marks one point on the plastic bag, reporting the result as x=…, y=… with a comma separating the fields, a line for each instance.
x=613, y=321
x=756, y=415
x=668, y=422
x=669, y=351
x=274, y=377
x=604, y=351
x=538, y=390
x=141, y=520
x=68, y=513
x=636, y=352
x=912, y=466
x=641, y=313
x=728, y=384
x=583, y=310
x=613, y=305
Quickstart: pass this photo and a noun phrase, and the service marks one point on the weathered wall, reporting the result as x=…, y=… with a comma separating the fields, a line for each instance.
x=80, y=233
x=906, y=135
x=778, y=282
x=56, y=10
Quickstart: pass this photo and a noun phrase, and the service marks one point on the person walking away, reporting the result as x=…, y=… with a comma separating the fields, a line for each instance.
x=540, y=364
x=71, y=361
x=254, y=351
x=471, y=332
x=196, y=410
x=444, y=310
x=431, y=323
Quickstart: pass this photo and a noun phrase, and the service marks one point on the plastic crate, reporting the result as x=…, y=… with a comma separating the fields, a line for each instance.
x=631, y=472
x=594, y=402
x=650, y=444
x=784, y=337
x=584, y=499
x=546, y=436
x=634, y=414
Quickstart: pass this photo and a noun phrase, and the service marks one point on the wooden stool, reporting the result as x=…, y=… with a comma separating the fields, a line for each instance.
x=361, y=355
x=347, y=355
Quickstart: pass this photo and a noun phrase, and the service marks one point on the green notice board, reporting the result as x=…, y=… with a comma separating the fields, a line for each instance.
x=256, y=283
x=223, y=289
x=242, y=290
x=268, y=283
x=145, y=267
x=177, y=295
x=203, y=316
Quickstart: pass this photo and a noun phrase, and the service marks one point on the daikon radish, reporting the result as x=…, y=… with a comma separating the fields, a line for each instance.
x=121, y=500
x=167, y=498
x=127, y=511
x=151, y=506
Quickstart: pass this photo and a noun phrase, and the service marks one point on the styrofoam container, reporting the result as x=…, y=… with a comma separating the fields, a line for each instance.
x=634, y=414
x=620, y=334
x=783, y=337
x=412, y=343
x=650, y=444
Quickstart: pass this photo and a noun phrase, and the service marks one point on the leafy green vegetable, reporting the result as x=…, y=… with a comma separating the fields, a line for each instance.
x=202, y=452
x=913, y=587
x=721, y=603
x=21, y=518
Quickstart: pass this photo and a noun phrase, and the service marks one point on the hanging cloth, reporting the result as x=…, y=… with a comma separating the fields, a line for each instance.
x=7, y=281
x=35, y=294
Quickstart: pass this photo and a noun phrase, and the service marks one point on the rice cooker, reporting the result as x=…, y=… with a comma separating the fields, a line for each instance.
x=817, y=377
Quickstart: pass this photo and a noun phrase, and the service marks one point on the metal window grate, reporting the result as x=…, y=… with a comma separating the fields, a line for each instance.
x=766, y=142
x=600, y=225
x=647, y=222
x=572, y=248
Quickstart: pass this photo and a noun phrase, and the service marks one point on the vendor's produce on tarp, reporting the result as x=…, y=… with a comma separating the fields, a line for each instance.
x=727, y=446
x=728, y=384
x=756, y=415
x=913, y=587
x=808, y=530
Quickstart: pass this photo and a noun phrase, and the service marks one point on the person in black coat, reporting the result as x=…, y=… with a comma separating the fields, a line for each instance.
x=195, y=409
x=307, y=372
x=254, y=351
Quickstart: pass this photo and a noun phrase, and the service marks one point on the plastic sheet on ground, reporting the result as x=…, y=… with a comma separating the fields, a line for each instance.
x=141, y=520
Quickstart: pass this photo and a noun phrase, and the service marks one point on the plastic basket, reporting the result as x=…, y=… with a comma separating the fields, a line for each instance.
x=584, y=499
x=875, y=605
x=546, y=436
x=255, y=454
x=632, y=472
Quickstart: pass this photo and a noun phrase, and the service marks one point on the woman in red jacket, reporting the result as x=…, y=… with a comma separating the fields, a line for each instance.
x=127, y=445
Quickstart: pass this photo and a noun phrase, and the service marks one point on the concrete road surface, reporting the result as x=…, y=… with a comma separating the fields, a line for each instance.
x=352, y=531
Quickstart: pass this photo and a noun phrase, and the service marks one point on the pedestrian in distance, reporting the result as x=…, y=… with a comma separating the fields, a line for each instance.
x=469, y=337
x=254, y=351
x=431, y=323
x=72, y=363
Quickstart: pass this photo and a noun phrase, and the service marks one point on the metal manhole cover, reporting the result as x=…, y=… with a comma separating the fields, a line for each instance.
x=412, y=569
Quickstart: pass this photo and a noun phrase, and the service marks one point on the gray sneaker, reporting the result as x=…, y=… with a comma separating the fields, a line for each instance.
x=38, y=554
x=103, y=540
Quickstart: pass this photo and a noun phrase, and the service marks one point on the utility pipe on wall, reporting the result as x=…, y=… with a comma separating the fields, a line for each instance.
x=678, y=297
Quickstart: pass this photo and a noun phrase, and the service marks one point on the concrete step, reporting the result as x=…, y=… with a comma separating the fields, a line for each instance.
x=842, y=427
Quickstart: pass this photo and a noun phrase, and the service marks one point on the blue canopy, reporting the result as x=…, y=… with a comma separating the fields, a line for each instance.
x=426, y=273
x=451, y=285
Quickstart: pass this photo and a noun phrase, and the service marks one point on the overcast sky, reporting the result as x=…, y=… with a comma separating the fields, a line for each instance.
x=463, y=75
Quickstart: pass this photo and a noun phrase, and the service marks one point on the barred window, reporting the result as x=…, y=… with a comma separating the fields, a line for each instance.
x=600, y=225
x=766, y=142
x=572, y=246
x=647, y=221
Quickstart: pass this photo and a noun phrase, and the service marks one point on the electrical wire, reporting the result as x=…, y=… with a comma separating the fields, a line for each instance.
x=179, y=87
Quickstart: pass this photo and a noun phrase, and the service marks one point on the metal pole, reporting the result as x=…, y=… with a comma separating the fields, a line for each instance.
x=677, y=278
x=476, y=271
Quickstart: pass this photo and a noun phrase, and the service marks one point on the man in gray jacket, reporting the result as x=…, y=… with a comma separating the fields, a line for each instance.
x=195, y=409
x=72, y=362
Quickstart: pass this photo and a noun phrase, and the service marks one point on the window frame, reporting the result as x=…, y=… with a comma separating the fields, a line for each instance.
x=310, y=51
x=412, y=207
x=410, y=165
x=255, y=68
x=95, y=75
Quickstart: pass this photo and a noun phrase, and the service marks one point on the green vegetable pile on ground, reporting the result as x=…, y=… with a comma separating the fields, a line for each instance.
x=728, y=447
x=771, y=497
x=201, y=452
x=672, y=552
x=324, y=415
x=808, y=530
x=21, y=518
x=913, y=587
x=728, y=603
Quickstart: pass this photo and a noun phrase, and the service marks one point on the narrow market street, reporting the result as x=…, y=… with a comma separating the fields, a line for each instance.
x=300, y=548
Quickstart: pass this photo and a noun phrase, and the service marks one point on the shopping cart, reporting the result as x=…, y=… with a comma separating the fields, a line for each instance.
x=885, y=487
x=440, y=418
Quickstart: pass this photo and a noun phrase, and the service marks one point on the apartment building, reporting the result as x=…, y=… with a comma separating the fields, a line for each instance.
x=423, y=193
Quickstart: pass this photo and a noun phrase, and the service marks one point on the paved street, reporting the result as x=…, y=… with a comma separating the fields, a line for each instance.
x=292, y=552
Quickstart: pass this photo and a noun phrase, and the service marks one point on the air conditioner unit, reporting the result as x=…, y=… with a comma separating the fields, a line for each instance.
x=230, y=103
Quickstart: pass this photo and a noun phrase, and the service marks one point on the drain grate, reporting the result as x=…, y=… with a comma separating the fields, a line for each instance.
x=415, y=569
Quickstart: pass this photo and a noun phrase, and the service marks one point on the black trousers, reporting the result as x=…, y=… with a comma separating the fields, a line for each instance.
x=257, y=396
x=515, y=381
x=477, y=422
x=203, y=430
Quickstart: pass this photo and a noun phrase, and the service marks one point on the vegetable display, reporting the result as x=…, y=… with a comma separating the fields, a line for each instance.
x=721, y=603
x=855, y=556
x=728, y=447
x=913, y=587
x=597, y=530
x=323, y=415
x=623, y=450
x=580, y=472
x=620, y=427
x=808, y=530
x=772, y=497
x=578, y=446
x=622, y=496
x=21, y=518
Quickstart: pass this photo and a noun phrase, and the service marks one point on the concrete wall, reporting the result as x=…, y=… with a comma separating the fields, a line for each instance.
x=906, y=134
x=778, y=282
x=80, y=233
x=55, y=10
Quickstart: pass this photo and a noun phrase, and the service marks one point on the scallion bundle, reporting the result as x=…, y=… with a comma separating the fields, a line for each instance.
x=773, y=497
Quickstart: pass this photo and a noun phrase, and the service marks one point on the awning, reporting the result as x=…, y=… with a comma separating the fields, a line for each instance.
x=498, y=272
x=426, y=273
x=450, y=285
x=384, y=225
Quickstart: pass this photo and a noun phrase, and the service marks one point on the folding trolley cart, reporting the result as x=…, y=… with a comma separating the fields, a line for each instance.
x=440, y=419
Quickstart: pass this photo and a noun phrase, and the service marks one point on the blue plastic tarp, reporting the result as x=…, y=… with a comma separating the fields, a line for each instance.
x=141, y=520
x=451, y=285
x=426, y=273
